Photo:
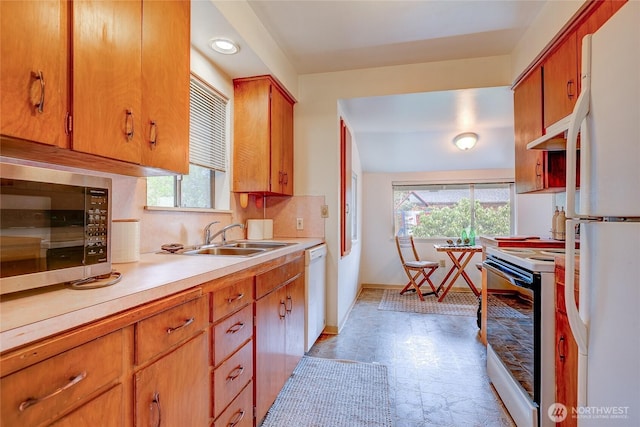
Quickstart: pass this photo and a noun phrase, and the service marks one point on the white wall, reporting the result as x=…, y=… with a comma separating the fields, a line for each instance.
x=317, y=142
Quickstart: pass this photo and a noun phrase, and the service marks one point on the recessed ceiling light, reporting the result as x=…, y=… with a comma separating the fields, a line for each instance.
x=466, y=141
x=224, y=45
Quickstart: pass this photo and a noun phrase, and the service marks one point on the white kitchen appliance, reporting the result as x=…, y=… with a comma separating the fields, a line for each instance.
x=607, y=325
x=315, y=261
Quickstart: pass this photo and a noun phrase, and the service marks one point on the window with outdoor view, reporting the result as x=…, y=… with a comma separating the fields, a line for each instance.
x=445, y=210
x=201, y=188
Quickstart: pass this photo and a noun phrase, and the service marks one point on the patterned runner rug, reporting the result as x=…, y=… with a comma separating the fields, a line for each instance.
x=455, y=303
x=333, y=393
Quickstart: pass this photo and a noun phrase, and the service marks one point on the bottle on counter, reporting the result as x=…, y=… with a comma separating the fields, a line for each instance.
x=554, y=220
x=560, y=225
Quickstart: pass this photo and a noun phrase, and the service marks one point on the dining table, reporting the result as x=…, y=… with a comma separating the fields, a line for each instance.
x=460, y=256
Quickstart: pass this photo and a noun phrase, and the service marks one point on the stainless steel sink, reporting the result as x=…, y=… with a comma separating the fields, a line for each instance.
x=237, y=248
x=260, y=245
x=226, y=251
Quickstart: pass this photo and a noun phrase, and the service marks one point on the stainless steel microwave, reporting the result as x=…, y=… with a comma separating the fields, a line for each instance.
x=54, y=227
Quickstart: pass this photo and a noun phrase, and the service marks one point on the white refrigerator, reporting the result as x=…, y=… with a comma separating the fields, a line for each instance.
x=607, y=324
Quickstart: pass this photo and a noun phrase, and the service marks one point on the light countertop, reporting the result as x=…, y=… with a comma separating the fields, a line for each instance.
x=32, y=315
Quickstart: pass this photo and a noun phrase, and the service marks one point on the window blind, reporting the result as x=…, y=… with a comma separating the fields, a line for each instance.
x=207, y=127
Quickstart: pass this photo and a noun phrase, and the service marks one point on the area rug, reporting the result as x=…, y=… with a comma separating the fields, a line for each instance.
x=333, y=393
x=454, y=303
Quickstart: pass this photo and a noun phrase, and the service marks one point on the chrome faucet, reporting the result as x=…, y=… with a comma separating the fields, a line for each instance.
x=207, y=232
x=223, y=232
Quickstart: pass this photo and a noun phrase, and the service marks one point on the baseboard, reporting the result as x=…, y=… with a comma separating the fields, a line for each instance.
x=384, y=286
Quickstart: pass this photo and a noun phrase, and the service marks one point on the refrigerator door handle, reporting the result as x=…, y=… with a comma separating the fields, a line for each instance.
x=578, y=326
x=580, y=112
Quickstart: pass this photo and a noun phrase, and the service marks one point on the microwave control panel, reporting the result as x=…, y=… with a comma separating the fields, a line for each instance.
x=97, y=228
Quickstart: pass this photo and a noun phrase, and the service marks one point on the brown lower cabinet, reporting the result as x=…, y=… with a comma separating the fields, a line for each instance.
x=279, y=331
x=212, y=355
x=566, y=360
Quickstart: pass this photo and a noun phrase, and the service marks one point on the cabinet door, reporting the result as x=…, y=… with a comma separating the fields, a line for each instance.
x=34, y=70
x=270, y=374
x=251, y=145
x=105, y=411
x=527, y=108
x=107, y=78
x=560, y=71
x=165, y=84
x=281, y=143
x=566, y=367
x=176, y=388
x=294, y=323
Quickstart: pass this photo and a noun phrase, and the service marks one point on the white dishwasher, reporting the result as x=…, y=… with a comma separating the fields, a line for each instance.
x=315, y=299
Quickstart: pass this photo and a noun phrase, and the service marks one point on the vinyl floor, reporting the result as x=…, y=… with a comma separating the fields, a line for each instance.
x=436, y=364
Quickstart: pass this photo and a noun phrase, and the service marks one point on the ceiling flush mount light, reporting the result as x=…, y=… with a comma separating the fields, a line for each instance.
x=223, y=45
x=466, y=141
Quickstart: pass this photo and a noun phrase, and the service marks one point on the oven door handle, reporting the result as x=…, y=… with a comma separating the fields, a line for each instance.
x=513, y=276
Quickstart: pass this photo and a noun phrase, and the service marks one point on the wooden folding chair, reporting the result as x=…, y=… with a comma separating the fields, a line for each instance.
x=415, y=268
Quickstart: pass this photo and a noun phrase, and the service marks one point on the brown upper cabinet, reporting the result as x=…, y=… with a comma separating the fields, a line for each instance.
x=125, y=97
x=527, y=109
x=546, y=93
x=263, y=137
x=33, y=70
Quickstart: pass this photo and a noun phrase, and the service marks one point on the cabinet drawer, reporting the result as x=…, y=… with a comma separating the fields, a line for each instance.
x=52, y=386
x=240, y=412
x=231, y=377
x=231, y=333
x=271, y=279
x=231, y=298
x=160, y=332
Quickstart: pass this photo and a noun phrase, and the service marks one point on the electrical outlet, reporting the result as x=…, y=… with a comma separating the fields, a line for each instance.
x=443, y=263
x=299, y=224
x=324, y=211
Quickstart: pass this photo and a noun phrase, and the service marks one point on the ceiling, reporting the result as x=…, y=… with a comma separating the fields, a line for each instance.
x=326, y=36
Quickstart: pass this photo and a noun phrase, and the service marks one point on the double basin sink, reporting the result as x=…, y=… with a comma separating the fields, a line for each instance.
x=245, y=249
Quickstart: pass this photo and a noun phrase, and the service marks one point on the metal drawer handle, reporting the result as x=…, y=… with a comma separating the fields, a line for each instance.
x=239, y=416
x=40, y=105
x=129, y=125
x=235, y=328
x=236, y=298
x=237, y=371
x=35, y=400
x=284, y=313
x=290, y=301
x=153, y=133
x=184, y=325
x=156, y=403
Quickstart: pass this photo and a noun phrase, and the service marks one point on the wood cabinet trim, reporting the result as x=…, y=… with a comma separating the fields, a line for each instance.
x=32, y=353
x=571, y=25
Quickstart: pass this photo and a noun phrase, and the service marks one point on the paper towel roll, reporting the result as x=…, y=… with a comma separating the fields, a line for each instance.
x=125, y=240
x=259, y=229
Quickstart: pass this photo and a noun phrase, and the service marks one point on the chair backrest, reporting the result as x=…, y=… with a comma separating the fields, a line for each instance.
x=406, y=248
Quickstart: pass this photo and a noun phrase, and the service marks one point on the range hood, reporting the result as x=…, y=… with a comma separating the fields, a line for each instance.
x=555, y=137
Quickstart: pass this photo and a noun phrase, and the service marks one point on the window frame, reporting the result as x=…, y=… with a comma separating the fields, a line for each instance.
x=213, y=171
x=512, y=201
